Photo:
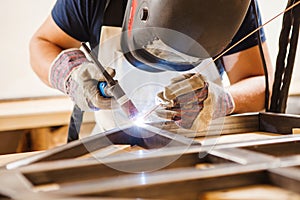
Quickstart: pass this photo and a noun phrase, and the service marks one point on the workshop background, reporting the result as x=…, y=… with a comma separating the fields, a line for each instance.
x=34, y=116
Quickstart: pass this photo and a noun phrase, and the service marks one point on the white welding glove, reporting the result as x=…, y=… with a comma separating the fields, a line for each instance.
x=74, y=75
x=192, y=102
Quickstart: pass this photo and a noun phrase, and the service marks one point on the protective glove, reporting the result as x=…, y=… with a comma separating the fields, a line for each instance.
x=192, y=102
x=74, y=75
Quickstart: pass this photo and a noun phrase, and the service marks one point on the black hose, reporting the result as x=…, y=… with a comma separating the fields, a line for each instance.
x=263, y=59
x=284, y=71
x=289, y=66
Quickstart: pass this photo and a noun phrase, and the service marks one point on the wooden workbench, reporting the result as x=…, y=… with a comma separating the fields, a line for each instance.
x=36, y=113
x=8, y=158
x=35, y=124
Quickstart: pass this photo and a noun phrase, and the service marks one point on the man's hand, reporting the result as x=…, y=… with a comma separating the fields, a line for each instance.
x=75, y=76
x=192, y=102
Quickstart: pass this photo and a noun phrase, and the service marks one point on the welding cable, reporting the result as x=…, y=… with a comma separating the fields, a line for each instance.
x=283, y=73
x=261, y=51
x=293, y=41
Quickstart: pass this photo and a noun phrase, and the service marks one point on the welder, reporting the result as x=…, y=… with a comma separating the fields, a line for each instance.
x=199, y=29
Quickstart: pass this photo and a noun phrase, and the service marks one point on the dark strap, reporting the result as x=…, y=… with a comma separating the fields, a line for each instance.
x=75, y=124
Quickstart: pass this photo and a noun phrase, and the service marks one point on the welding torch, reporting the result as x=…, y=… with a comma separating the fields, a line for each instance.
x=115, y=89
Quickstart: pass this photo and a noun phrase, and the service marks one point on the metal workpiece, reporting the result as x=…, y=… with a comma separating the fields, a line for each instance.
x=151, y=163
x=188, y=182
x=146, y=137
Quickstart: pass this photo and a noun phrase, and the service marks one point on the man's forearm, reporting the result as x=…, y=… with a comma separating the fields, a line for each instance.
x=248, y=94
x=42, y=54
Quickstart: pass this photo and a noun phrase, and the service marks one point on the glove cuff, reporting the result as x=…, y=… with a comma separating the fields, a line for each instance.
x=63, y=65
x=230, y=105
x=222, y=100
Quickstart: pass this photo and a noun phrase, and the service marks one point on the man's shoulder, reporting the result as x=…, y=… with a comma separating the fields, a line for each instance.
x=79, y=18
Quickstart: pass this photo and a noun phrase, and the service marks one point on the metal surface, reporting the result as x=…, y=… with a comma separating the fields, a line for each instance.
x=65, y=172
x=148, y=137
x=278, y=122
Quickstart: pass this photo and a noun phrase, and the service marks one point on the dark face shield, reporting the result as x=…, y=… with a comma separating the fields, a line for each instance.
x=177, y=35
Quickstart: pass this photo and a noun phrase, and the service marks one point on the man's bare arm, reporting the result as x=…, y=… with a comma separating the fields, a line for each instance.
x=246, y=75
x=48, y=41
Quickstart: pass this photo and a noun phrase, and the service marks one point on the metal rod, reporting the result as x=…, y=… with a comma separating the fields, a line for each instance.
x=151, y=111
x=118, y=93
x=106, y=75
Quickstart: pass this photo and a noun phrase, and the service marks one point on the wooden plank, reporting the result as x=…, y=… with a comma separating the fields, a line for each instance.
x=37, y=112
x=15, y=139
x=253, y=192
x=5, y=159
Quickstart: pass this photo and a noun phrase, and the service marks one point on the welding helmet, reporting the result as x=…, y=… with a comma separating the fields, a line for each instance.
x=159, y=35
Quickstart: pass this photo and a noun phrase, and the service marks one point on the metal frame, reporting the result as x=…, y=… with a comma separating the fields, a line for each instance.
x=63, y=173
